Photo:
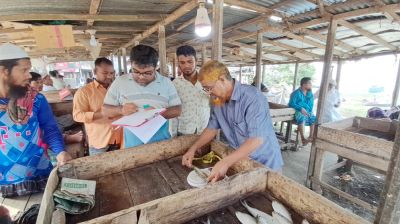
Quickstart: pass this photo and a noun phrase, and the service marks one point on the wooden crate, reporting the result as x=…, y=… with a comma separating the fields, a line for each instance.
x=365, y=141
x=149, y=181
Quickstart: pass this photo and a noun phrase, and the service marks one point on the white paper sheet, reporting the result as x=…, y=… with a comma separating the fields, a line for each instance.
x=137, y=119
x=147, y=130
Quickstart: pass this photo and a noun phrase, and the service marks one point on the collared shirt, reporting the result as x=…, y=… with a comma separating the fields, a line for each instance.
x=298, y=100
x=58, y=83
x=88, y=100
x=160, y=93
x=246, y=115
x=195, y=107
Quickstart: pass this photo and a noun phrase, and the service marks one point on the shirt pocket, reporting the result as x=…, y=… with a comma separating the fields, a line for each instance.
x=240, y=128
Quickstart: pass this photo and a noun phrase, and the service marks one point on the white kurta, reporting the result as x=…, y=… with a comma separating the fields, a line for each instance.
x=331, y=113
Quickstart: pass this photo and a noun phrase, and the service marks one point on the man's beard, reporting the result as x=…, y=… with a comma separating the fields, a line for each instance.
x=16, y=92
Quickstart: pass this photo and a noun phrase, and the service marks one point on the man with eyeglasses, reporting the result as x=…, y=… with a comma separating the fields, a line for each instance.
x=144, y=88
x=242, y=113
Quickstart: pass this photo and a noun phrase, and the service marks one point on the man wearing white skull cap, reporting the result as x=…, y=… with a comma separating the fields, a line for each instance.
x=27, y=128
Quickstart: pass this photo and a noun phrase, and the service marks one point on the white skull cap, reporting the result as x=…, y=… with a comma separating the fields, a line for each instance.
x=10, y=51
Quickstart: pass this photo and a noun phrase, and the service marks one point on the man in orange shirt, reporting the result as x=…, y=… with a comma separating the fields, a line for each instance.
x=88, y=102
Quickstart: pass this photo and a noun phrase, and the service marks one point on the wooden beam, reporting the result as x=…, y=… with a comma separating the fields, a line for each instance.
x=291, y=48
x=296, y=71
x=389, y=206
x=280, y=4
x=93, y=10
x=396, y=90
x=321, y=7
x=187, y=7
x=326, y=76
x=240, y=74
x=119, y=61
x=110, y=28
x=217, y=26
x=259, y=53
x=84, y=17
x=367, y=34
x=162, y=50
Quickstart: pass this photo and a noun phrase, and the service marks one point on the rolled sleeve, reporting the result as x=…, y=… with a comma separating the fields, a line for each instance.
x=173, y=97
x=256, y=112
x=213, y=121
x=112, y=96
x=81, y=111
x=51, y=134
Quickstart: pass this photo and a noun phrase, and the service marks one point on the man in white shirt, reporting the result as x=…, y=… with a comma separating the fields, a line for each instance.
x=58, y=81
x=195, y=102
x=48, y=84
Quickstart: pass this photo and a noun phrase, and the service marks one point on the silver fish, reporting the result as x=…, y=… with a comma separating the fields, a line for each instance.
x=260, y=215
x=282, y=211
x=245, y=218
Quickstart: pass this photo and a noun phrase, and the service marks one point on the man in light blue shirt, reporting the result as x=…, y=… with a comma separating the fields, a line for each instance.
x=144, y=88
x=242, y=113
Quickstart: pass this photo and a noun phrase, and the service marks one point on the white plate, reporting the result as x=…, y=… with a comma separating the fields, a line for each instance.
x=195, y=180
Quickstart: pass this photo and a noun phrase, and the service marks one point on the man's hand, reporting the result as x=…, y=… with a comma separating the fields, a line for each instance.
x=219, y=171
x=187, y=159
x=304, y=112
x=128, y=109
x=63, y=157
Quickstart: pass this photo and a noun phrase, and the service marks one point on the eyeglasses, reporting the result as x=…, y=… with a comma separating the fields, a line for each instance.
x=208, y=89
x=144, y=74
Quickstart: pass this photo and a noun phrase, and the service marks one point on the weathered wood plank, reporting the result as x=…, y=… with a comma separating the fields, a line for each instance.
x=304, y=201
x=170, y=176
x=180, y=171
x=372, y=124
x=116, y=161
x=146, y=184
x=189, y=204
x=47, y=204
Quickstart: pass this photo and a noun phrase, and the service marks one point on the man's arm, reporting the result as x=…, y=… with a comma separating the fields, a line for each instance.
x=112, y=112
x=172, y=112
x=294, y=102
x=205, y=137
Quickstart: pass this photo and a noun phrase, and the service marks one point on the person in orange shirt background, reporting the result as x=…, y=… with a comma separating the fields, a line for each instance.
x=87, y=105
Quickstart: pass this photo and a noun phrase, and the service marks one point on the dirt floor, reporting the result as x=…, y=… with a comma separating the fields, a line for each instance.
x=365, y=184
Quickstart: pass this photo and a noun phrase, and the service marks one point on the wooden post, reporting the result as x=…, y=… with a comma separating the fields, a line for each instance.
x=174, y=60
x=396, y=88
x=389, y=206
x=296, y=71
x=217, y=25
x=162, y=50
x=240, y=74
x=124, y=62
x=258, y=59
x=119, y=62
x=203, y=54
x=326, y=73
x=264, y=73
x=338, y=73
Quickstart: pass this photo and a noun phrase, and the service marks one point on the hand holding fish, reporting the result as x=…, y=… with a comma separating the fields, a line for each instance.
x=219, y=171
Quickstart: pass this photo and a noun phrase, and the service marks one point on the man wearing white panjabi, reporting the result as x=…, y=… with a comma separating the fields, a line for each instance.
x=332, y=102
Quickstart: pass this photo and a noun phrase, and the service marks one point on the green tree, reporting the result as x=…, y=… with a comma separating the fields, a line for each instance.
x=284, y=74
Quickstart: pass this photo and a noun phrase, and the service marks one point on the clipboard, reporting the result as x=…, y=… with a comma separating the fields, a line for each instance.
x=139, y=118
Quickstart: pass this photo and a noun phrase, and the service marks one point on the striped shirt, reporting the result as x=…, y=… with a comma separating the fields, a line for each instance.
x=160, y=93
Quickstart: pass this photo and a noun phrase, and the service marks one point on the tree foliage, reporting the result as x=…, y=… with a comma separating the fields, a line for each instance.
x=284, y=74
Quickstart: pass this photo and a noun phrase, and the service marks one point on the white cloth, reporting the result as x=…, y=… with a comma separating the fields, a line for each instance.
x=330, y=113
x=48, y=88
x=59, y=84
x=195, y=108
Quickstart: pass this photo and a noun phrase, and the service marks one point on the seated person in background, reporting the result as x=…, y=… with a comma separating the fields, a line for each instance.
x=332, y=102
x=144, y=88
x=302, y=100
x=88, y=102
x=36, y=83
x=48, y=84
x=28, y=127
x=264, y=89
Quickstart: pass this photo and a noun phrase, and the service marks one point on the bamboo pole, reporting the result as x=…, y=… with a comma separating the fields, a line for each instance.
x=203, y=54
x=330, y=44
x=338, y=72
x=174, y=60
x=217, y=25
x=296, y=71
x=396, y=88
x=124, y=62
x=162, y=50
x=240, y=74
x=258, y=60
x=119, y=62
x=389, y=207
